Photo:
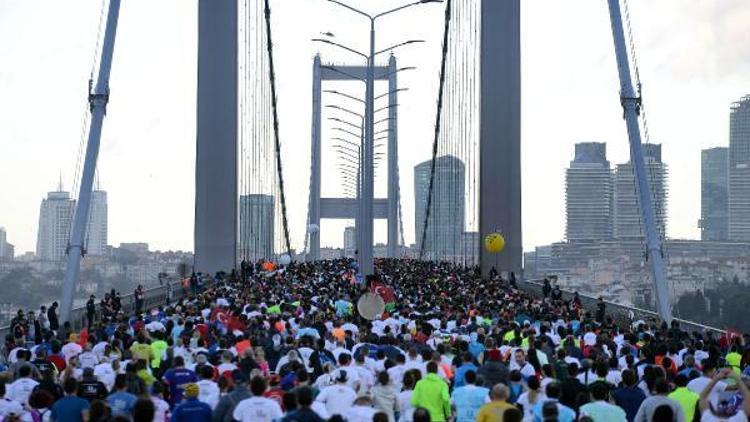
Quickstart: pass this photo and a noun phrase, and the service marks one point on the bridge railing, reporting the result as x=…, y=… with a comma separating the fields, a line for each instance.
x=620, y=313
x=152, y=297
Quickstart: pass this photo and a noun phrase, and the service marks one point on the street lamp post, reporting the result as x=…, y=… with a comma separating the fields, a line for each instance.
x=365, y=231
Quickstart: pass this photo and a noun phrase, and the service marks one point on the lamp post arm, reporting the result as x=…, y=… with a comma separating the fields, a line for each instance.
x=352, y=9
x=351, y=97
x=393, y=47
x=349, y=49
x=347, y=132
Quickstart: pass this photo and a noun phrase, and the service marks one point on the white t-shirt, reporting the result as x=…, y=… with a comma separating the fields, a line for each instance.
x=20, y=389
x=257, y=409
x=99, y=349
x=320, y=409
x=209, y=393
x=88, y=360
x=337, y=398
x=360, y=414
x=406, y=411
x=161, y=413
x=697, y=385
x=528, y=407
x=106, y=374
x=8, y=406
x=70, y=350
x=740, y=416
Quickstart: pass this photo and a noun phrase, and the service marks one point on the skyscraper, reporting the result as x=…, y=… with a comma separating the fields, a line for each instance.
x=739, y=170
x=256, y=226
x=626, y=208
x=588, y=193
x=714, y=223
x=6, y=249
x=96, y=231
x=55, y=216
x=446, y=224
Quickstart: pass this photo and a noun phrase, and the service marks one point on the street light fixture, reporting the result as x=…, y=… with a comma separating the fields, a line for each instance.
x=383, y=120
x=400, y=69
x=346, y=131
x=389, y=106
x=336, y=119
x=346, y=141
x=351, y=97
x=390, y=92
x=365, y=228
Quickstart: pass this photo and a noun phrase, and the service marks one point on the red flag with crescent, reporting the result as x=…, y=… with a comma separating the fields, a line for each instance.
x=386, y=292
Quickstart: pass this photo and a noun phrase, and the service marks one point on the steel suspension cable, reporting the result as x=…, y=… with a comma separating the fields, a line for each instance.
x=437, y=127
x=279, y=167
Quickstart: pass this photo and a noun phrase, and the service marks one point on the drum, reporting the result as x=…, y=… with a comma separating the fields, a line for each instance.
x=370, y=306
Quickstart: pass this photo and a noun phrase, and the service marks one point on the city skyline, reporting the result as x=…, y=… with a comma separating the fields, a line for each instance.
x=687, y=94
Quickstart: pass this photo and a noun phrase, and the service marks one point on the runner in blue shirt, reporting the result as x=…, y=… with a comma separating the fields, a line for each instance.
x=121, y=402
x=192, y=410
x=70, y=408
x=469, y=398
x=177, y=378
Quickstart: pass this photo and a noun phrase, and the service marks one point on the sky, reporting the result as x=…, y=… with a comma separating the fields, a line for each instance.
x=694, y=58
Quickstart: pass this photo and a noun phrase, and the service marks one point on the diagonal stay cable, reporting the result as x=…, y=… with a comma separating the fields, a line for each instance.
x=437, y=127
x=279, y=167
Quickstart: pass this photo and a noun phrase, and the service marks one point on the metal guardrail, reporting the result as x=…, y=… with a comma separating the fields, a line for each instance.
x=619, y=312
x=152, y=297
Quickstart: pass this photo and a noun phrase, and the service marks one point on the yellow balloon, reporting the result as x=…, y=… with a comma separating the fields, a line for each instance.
x=494, y=243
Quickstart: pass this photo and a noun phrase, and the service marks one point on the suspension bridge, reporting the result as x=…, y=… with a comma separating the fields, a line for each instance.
x=470, y=188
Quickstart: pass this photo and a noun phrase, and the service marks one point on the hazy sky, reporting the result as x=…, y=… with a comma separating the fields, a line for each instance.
x=694, y=57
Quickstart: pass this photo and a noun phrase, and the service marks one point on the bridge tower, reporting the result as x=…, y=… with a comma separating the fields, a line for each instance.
x=216, y=150
x=500, y=133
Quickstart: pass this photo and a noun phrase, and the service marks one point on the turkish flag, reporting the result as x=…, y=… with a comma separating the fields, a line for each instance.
x=386, y=292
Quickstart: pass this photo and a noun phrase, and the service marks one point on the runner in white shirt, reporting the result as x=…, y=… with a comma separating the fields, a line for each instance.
x=20, y=389
x=257, y=408
x=526, y=369
x=362, y=411
x=8, y=406
x=88, y=359
x=161, y=407
x=209, y=390
x=105, y=373
x=697, y=385
x=71, y=349
x=338, y=398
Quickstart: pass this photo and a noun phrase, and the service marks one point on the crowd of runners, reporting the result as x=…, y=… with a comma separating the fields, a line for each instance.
x=288, y=344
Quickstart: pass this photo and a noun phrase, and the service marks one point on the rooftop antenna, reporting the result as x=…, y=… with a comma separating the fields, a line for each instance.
x=60, y=183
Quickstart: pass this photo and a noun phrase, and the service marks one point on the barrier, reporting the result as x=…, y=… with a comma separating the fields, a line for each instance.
x=155, y=296
x=619, y=312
